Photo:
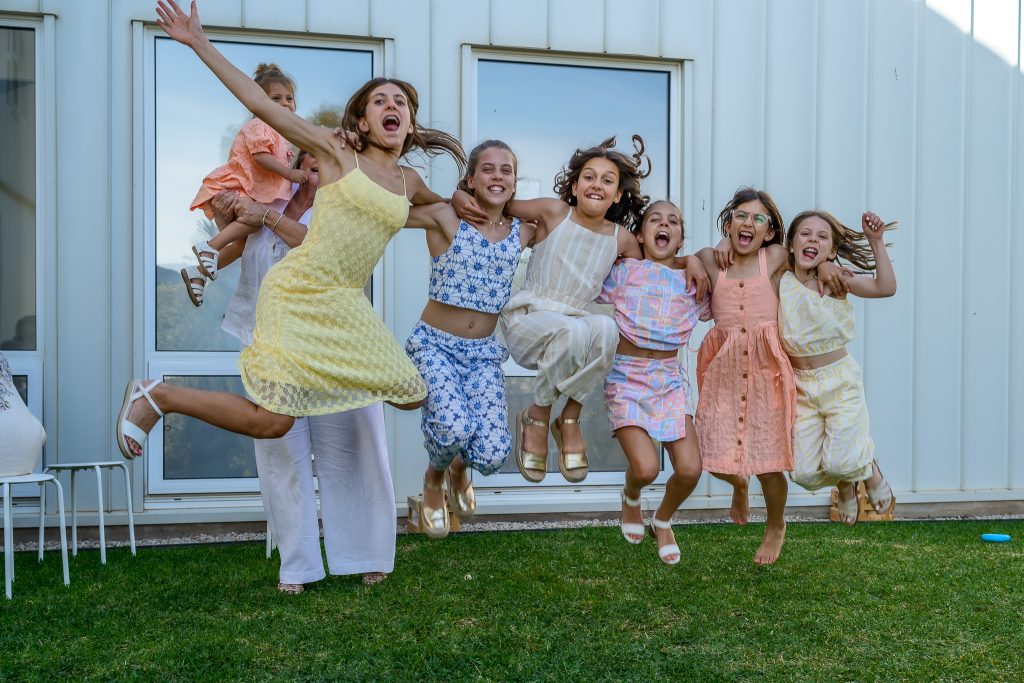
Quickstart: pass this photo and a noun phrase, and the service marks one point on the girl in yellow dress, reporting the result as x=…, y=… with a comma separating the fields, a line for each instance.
x=318, y=346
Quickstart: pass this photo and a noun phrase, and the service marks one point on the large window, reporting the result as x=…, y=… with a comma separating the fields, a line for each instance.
x=190, y=121
x=545, y=108
x=18, y=231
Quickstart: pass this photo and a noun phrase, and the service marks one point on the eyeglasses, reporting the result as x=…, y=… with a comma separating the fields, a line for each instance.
x=742, y=216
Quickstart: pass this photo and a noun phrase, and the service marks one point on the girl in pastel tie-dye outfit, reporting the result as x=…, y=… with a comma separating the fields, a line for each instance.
x=647, y=391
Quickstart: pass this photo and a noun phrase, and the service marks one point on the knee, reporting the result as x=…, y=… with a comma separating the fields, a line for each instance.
x=645, y=473
x=689, y=472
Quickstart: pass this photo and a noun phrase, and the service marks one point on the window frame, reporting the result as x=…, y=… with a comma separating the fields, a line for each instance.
x=157, y=491
x=679, y=180
x=38, y=365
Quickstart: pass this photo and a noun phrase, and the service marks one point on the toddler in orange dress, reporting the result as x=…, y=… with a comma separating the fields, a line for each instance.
x=747, y=394
x=258, y=167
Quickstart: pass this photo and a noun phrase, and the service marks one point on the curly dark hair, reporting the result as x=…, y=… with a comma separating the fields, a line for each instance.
x=850, y=244
x=750, y=194
x=628, y=209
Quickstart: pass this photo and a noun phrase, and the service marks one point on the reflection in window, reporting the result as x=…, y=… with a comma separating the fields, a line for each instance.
x=196, y=450
x=17, y=189
x=625, y=101
x=195, y=122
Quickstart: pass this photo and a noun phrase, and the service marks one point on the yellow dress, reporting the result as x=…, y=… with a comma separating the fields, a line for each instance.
x=318, y=346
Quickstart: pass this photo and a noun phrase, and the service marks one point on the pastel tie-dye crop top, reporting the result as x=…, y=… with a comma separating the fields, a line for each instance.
x=475, y=273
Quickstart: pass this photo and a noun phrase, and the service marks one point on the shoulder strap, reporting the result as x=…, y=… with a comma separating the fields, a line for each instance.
x=762, y=262
x=405, y=187
x=356, y=155
x=616, y=233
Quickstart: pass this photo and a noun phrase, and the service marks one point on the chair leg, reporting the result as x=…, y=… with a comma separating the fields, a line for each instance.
x=63, y=532
x=8, y=541
x=74, y=513
x=42, y=518
x=99, y=508
x=128, y=499
x=270, y=541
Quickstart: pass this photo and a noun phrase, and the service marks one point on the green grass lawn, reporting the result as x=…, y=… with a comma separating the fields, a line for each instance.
x=907, y=601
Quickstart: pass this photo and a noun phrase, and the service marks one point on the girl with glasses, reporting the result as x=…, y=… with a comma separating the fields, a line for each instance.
x=744, y=378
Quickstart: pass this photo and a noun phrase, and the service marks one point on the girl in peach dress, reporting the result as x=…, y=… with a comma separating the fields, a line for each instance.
x=258, y=167
x=747, y=392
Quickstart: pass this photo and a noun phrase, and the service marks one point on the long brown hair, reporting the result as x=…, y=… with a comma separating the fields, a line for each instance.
x=851, y=245
x=627, y=211
x=432, y=142
x=474, y=161
x=750, y=194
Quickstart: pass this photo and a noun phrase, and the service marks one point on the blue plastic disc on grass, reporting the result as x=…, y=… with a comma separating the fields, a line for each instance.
x=996, y=538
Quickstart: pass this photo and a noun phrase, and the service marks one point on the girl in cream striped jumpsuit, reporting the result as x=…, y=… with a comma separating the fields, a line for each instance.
x=546, y=325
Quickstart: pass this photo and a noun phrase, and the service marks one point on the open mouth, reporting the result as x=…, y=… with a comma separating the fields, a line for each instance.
x=810, y=253
x=661, y=239
x=391, y=123
x=596, y=196
x=745, y=237
x=496, y=189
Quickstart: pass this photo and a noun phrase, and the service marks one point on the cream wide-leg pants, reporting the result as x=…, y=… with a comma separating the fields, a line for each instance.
x=357, y=499
x=572, y=354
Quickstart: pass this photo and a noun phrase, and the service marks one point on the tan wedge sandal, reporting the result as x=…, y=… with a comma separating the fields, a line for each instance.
x=533, y=466
x=573, y=466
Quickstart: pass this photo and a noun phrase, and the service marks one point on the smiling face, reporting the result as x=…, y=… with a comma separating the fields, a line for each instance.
x=281, y=94
x=749, y=226
x=661, y=233
x=812, y=243
x=597, y=187
x=387, y=121
x=493, y=181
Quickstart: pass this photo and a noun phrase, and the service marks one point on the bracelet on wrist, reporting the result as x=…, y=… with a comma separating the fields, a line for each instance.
x=273, y=228
x=265, y=214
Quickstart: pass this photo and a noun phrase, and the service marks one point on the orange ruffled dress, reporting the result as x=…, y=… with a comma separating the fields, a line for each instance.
x=243, y=174
x=747, y=390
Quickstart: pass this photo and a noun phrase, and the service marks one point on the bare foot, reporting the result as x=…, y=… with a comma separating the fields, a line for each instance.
x=739, y=513
x=666, y=537
x=142, y=415
x=771, y=546
x=373, y=578
x=633, y=515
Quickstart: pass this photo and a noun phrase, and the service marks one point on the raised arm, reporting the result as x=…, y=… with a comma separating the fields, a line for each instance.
x=419, y=192
x=546, y=212
x=434, y=216
x=883, y=284
x=187, y=30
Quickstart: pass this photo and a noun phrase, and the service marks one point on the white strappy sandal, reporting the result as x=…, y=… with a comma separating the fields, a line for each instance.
x=195, y=290
x=664, y=551
x=126, y=429
x=207, y=264
x=632, y=530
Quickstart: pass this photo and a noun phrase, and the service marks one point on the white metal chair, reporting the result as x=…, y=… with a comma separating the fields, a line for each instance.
x=75, y=468
x=40, y=479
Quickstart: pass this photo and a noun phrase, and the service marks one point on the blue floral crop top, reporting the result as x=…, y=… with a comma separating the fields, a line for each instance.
x=475, y=273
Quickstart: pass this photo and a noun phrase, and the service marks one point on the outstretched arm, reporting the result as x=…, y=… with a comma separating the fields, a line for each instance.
x=187, y=30
x=883, y=284
x=268, y=162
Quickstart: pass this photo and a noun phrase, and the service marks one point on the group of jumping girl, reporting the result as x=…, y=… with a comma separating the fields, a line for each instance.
x=778, y=391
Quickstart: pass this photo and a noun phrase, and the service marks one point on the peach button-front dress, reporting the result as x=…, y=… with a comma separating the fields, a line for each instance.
x=747, y=390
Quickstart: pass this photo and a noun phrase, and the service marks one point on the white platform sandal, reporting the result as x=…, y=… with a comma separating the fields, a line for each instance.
x=195, y=290
x=631, y=531
x=664, y=551
x=126, y=429
x=207, y=264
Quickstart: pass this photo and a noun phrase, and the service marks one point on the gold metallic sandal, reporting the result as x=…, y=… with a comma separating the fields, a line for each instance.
x=533, y=466
x=573, y=466
x=435, y=521
x=463, y=500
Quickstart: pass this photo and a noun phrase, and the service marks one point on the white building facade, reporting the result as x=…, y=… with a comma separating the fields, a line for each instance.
x=909, y=108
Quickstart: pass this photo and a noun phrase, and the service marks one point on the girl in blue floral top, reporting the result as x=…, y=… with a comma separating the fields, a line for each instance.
x=465, y=415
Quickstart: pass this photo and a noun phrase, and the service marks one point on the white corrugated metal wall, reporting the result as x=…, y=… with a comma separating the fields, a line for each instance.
x=906, y=107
